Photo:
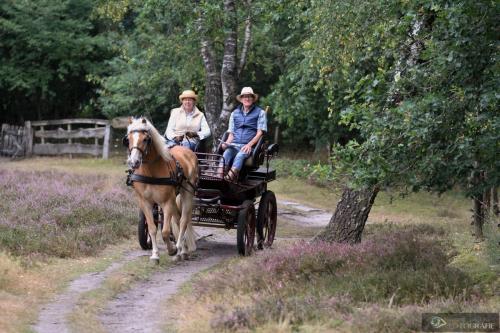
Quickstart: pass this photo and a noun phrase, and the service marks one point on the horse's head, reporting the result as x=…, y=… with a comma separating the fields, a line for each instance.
x=137, y=140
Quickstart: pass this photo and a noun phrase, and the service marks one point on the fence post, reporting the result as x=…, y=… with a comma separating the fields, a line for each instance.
x=105, y=144
x=70, y=141
x=29, y=138
x=3, y=137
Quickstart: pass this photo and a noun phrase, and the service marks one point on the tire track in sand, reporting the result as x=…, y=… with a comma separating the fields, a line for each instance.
x=53, y=316
x=134, y=310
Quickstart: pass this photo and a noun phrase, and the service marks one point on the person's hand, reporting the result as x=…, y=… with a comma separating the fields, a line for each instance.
x=178, y=138
x=224, y=146
x=191, y=134
x=246, y=148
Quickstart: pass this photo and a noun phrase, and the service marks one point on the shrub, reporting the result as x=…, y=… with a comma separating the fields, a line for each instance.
x=318, y=173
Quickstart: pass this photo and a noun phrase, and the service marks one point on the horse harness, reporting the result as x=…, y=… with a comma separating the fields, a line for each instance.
x=176, y=178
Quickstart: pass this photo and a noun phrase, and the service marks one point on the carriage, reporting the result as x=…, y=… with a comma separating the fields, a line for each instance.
x=220, y=203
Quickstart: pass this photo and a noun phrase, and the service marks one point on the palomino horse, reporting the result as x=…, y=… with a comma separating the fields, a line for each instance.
x=158, y=172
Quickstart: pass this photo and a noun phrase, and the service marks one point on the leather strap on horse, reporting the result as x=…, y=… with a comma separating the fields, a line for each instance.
x=152, y=180
x=175, y=180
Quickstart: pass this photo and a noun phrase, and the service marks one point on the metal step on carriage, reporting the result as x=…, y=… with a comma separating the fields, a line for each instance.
x=246, y=204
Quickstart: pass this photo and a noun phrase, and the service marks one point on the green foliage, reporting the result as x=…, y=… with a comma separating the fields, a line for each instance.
x=300, y=105
x=317, y=173
x=158, y=57
x=418, y=81
x=159, y=54
x=47, y=49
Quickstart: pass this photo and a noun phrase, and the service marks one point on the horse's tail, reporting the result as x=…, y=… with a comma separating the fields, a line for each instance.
x=190, y=237
x=175, y=228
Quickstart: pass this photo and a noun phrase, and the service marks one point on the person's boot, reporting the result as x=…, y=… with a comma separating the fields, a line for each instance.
x=232, y=175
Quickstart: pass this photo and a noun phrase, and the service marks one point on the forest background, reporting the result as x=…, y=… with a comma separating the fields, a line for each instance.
x=396, y=96
x=400, y=93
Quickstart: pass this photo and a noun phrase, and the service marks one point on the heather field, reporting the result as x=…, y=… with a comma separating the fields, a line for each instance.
x=60, y=218
x=417, y=256
x=62, y=213
x=383, y=284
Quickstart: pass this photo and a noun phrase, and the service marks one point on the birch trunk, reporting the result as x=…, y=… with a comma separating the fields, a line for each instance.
x=221, y=77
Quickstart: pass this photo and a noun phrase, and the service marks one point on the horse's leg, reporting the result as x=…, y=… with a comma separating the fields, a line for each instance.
x=174, y=224
x=147, y=209
x=176, y=219
x=190, y=235
x=169, y=210
x=187, y=239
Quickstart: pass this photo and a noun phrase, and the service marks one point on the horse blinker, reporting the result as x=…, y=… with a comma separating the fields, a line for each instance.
x=125, y=141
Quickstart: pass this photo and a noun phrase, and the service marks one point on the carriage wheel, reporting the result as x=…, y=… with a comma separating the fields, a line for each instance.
x=266, y=220
x=245, y=232
x=143, y=233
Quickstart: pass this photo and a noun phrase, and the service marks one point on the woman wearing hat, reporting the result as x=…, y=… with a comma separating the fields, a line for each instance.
x=247, y=124
x=187, y=125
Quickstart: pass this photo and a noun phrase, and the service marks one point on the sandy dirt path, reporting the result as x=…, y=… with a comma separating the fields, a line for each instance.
x=126, y=312
x=303, y=214
x=52, y=318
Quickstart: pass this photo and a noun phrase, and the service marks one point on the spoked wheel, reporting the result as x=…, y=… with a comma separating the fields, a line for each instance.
x=245, y=232
x=143, y=232
x=266, y=220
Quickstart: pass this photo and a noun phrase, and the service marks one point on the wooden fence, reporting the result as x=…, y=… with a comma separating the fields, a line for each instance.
x=13, y=141
x=58, y=137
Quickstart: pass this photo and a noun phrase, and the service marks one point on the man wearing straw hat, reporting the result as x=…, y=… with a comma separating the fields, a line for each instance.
x=247, y=124
x=187, y=125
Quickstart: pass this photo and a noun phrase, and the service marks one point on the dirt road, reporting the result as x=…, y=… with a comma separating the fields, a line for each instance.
x=126, y=312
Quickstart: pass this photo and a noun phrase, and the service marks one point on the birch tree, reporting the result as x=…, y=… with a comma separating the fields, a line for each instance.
x=222, y=71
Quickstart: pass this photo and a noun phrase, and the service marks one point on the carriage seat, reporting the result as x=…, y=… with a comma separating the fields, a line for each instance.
x=255, y=160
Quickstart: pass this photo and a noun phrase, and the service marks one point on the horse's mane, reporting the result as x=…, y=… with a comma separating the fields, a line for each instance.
x=157, y=138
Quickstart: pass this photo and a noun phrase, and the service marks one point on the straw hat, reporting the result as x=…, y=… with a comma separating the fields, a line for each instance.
x=188, y=94
x=247, y=91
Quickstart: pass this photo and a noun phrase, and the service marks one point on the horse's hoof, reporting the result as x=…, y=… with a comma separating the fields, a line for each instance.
x=177, y=258
x=155, y=261
x=185, y=256
x=172, y=252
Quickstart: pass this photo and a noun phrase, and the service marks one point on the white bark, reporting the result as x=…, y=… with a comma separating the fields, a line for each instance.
x=221, y=79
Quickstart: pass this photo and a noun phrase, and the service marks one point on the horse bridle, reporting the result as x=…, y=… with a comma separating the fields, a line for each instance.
x=146, y=141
